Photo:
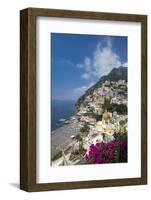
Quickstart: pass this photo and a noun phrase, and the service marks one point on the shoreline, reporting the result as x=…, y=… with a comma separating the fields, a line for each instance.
x=61, y=137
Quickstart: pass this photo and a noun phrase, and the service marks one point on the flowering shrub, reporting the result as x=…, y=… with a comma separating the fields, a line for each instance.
x=112, y=152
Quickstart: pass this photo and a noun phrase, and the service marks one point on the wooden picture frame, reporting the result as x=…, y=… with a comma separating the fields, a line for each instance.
x=28, y=98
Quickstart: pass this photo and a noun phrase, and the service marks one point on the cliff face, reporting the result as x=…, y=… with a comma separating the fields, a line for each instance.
x=115, y=75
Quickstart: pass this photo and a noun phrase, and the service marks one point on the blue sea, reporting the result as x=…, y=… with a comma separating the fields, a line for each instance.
x=61, y=110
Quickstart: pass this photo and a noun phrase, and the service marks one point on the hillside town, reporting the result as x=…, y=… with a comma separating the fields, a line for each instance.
x=101, y=118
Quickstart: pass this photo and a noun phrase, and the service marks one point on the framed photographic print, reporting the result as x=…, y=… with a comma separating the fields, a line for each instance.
x=83, y=99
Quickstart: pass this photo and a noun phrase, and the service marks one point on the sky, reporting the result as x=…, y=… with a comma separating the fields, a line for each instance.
x=78, y=61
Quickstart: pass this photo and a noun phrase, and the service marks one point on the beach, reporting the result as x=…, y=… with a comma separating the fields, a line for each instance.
x=61, y=137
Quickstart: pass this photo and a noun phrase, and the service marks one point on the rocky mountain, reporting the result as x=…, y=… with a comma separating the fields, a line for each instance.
x=115, y=74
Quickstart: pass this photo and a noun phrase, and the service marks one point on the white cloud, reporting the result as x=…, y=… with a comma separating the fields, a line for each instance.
x=85, y=76
x=81, y=90
x=79, y=65
x=66, y=62
x=125, y=64
x=103, y=60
